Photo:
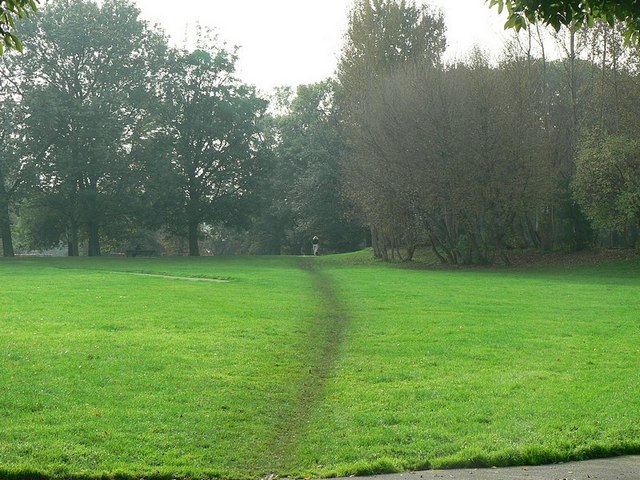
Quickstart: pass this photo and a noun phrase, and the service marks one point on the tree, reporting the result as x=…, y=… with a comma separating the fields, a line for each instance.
x=302, y=191
x=458, y=160
x=572, y=13
x=13, y=166
x=398, y=159
x=87, y=73
x=207, y=145
x=10, y=10
x=16, y=157
x=383, y=36
x=498, y=149
x=607, y=182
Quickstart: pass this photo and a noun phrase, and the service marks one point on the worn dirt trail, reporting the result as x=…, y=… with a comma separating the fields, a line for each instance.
x=327, y=333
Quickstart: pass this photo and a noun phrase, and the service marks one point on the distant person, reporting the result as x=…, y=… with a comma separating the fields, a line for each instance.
x=316, y=245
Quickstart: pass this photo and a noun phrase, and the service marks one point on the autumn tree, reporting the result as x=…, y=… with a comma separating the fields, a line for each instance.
x=383, y=35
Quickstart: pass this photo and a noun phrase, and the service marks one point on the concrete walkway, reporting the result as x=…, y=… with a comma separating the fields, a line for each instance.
x=619, y=468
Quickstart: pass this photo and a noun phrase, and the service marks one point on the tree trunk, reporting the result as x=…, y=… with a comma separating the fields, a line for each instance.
x=411, y=250
x=5, y=227
x=5, y=222
x=615, y=53
x=194, y=251
x=91, y=209
x=94, y=240
x=375, y=242
x=574, y=100
x=603, y=77
x=72, y=240
x=434, y=247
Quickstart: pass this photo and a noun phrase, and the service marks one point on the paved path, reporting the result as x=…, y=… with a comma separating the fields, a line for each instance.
x=619, y=468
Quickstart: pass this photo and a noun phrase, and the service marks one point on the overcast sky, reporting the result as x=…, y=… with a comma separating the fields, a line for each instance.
x=293, y=42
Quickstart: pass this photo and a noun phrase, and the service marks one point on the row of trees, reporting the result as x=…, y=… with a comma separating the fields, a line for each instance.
x=110, y=138
x=108, y=130
x=473, y=159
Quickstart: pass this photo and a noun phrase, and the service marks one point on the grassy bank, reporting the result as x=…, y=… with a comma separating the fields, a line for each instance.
x=311, y=366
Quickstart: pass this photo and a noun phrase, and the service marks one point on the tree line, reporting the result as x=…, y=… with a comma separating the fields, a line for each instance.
x=476, y=158
x=111, y=138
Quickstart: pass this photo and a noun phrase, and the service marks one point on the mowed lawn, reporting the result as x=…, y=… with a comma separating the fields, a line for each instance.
x=311, y=367
x=106, y=372
x=482, y=368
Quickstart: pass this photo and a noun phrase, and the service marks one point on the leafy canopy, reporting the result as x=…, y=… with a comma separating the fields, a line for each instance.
x=572, y=12
x=9, y=11
x=607, y=184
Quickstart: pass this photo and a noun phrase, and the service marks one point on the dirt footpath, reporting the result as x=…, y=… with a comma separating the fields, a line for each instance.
x=619, y=468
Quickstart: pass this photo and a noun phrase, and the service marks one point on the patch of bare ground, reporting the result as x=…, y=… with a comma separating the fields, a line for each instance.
x=173, y=277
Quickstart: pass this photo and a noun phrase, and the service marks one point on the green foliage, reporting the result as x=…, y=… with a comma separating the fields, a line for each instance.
x=159, y=134
x=10, y=10
x=607, y=181
x=40, y=224
x=386, y=33
x=302, y=194
x=206, y=148
x=576, y=232
x=577, y=13
x=88, y=111
x=383, y=35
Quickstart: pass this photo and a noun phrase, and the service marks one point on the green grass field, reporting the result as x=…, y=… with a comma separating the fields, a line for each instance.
x=311, y=366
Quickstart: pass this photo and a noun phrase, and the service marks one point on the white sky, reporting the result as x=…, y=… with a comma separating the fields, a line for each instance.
x=293, y=42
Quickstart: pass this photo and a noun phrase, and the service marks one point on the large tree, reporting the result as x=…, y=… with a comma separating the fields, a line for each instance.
x=456, y=154
x=206, y=149
x=86, y=73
